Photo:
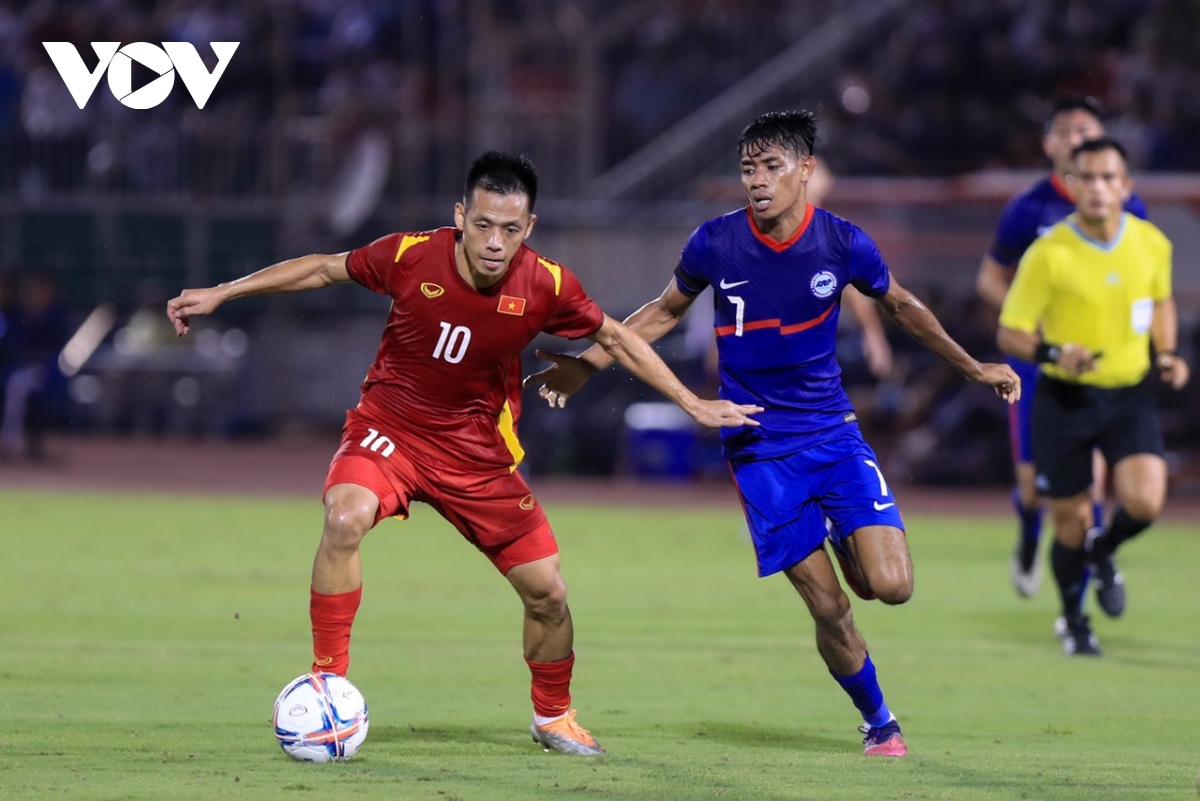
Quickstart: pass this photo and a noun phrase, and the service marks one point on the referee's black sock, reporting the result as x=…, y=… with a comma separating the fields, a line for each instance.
x=1120, y=529
x=1069, y=572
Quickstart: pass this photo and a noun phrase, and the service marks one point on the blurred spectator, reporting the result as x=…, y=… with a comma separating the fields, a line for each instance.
x=34, y=389
x=963, y=84
x=940, y=89
x=9, y=310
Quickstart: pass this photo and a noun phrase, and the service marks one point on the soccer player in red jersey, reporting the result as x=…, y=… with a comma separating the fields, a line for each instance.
x=437, y=418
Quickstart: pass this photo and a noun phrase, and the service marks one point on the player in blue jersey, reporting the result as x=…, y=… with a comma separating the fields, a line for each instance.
x=778, y=268
x=1073, y=120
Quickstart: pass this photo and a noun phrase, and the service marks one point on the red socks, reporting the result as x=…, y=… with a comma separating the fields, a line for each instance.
x=551, y=690
x=332, y=616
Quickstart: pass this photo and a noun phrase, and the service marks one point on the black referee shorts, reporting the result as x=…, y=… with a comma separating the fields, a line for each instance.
x=1069, y=420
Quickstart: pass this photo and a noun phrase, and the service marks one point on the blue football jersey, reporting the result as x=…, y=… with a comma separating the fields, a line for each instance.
x=1033, y=212
x=776, y=315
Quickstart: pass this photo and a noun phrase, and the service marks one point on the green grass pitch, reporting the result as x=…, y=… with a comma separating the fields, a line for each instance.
x=143, y=640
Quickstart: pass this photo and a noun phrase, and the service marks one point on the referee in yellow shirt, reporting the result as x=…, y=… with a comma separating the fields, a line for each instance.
x=1091, y=304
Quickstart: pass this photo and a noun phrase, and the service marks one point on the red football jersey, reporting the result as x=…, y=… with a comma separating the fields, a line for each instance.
x=448, y=370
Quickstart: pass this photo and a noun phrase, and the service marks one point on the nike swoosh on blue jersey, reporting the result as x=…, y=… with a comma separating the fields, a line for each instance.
x=725, y=285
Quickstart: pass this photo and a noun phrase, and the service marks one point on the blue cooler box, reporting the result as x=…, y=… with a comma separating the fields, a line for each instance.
x=660, y=441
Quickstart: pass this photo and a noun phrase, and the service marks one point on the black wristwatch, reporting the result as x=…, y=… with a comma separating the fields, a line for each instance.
x=1045, y=353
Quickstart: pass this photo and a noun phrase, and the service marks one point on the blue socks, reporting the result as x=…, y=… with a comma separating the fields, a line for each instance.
x=863, y=689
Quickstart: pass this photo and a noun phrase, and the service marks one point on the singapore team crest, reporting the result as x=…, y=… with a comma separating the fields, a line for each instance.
x=823, y=284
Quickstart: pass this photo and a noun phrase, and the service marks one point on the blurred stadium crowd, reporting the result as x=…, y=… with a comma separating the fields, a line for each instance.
x=962, y=86
x=947, y=86
x=373, y=107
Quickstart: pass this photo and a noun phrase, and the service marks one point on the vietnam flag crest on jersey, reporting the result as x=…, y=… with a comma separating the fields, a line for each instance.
x=510, y=305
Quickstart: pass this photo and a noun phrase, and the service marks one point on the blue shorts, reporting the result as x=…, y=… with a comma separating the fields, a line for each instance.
x=787, y=500
x=1020, y=414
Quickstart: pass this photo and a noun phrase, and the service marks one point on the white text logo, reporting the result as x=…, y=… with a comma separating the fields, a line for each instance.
x=164, y=61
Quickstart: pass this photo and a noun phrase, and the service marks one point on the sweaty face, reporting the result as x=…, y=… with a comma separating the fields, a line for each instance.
x=774, y=180
x=1100, y=183
x=493, y=227
x=1067, y=131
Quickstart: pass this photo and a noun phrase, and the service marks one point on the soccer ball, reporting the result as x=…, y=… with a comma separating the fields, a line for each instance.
x=320, y=717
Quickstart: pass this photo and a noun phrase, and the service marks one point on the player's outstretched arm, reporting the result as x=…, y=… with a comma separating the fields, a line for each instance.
x=915, y=317
x=568, y=374
x=635, y=355
x=293, y=275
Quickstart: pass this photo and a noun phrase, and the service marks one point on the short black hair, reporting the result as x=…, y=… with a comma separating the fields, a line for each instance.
x=504, y=174
x=788, y=130
x=1098, y=145
x=1069, y=103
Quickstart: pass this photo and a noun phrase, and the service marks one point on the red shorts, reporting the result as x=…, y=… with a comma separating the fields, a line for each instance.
x=495, y=512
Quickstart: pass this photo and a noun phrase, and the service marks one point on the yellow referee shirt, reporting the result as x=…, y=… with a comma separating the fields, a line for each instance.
x=1100, y=295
